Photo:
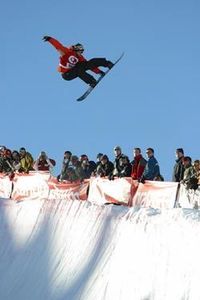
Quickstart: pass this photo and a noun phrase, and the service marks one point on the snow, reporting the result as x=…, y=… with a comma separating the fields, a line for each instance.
x=78, y=250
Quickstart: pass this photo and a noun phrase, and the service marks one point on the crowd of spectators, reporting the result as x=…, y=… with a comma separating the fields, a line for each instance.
x=22, y=161
x=186, y=171
x=76, y=168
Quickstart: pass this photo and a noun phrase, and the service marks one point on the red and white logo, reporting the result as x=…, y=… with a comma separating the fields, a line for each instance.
x=73, y=60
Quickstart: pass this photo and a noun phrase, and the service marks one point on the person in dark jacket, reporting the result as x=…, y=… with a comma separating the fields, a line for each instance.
x=66, y=163
x=188, y=168
x=16, y=161
x=6, y=161
x=89, y=166
x=118, y=155
x=105, y=167
x=178, y=170
x=152, y=170
x=75, y=171
x=98, y=158
x=125, y=167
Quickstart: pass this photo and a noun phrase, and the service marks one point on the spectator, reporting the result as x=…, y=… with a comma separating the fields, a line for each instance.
x=105, y=167
x=2, y=148
x=196, y=167
x=118, y=155
x=16, y=161
x=43, y=163
x=26, y=160
x=6, y=161
x=125, y=167
x=189, y=177
x=98, y=161
x=99, y=157
x=152, y=170
x=188, y=168
x=138, y=164
x=88, y=166
x=2, y=159
x=75, y=171
x=65, y=165
x=178, y=167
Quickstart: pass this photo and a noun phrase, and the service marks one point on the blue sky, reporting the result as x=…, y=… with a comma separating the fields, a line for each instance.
x=150, y=99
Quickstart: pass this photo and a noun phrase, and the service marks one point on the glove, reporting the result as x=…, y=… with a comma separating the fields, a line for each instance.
x=102, y=73
x=46, y=38
x=142, y=180
x=111, y=177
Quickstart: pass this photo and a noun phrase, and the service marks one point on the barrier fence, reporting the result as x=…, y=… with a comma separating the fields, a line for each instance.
x=125, y=191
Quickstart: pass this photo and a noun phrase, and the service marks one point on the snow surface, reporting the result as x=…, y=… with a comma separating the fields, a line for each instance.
x=77, y=250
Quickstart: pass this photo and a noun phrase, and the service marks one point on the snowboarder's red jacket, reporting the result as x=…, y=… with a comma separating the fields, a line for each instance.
x=68, y=57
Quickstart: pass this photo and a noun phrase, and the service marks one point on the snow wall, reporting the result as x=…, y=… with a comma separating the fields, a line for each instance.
x=59, y=242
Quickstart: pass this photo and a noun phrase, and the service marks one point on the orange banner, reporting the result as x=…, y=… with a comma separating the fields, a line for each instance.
x=156, y=194
x=120, y=190
x=125, y=191
x=41, y=185
x=67, y=190
x=31, y=186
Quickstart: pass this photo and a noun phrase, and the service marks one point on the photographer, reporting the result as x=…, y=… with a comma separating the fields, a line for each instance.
x=43, y=163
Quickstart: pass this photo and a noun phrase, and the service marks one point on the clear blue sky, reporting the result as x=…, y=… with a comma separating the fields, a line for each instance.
x=150, y=99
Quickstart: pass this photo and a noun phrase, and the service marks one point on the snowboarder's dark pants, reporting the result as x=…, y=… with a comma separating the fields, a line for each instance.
x=81, y=67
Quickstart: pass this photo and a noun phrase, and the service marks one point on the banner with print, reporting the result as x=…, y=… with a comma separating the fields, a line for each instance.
x=156, y=194
x=119, y=191
x=5, y=186
x=188, y=198
x=67, y=190
x=31, y=186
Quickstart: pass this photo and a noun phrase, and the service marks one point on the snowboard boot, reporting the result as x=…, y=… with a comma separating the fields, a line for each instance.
x=93, y=84
x=102, y=73
x=110, y=64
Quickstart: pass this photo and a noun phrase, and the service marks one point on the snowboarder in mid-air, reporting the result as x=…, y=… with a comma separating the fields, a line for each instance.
x=73, y=64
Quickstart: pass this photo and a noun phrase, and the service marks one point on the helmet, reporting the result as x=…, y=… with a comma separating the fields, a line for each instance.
x=78, y=47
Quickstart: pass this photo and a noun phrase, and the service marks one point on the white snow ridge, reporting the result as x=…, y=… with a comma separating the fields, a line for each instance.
x=71, y=250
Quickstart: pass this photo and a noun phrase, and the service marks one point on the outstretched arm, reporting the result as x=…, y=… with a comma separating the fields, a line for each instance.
x=59, y=47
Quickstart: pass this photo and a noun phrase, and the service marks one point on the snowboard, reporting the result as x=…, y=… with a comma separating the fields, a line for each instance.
x=90, y=89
